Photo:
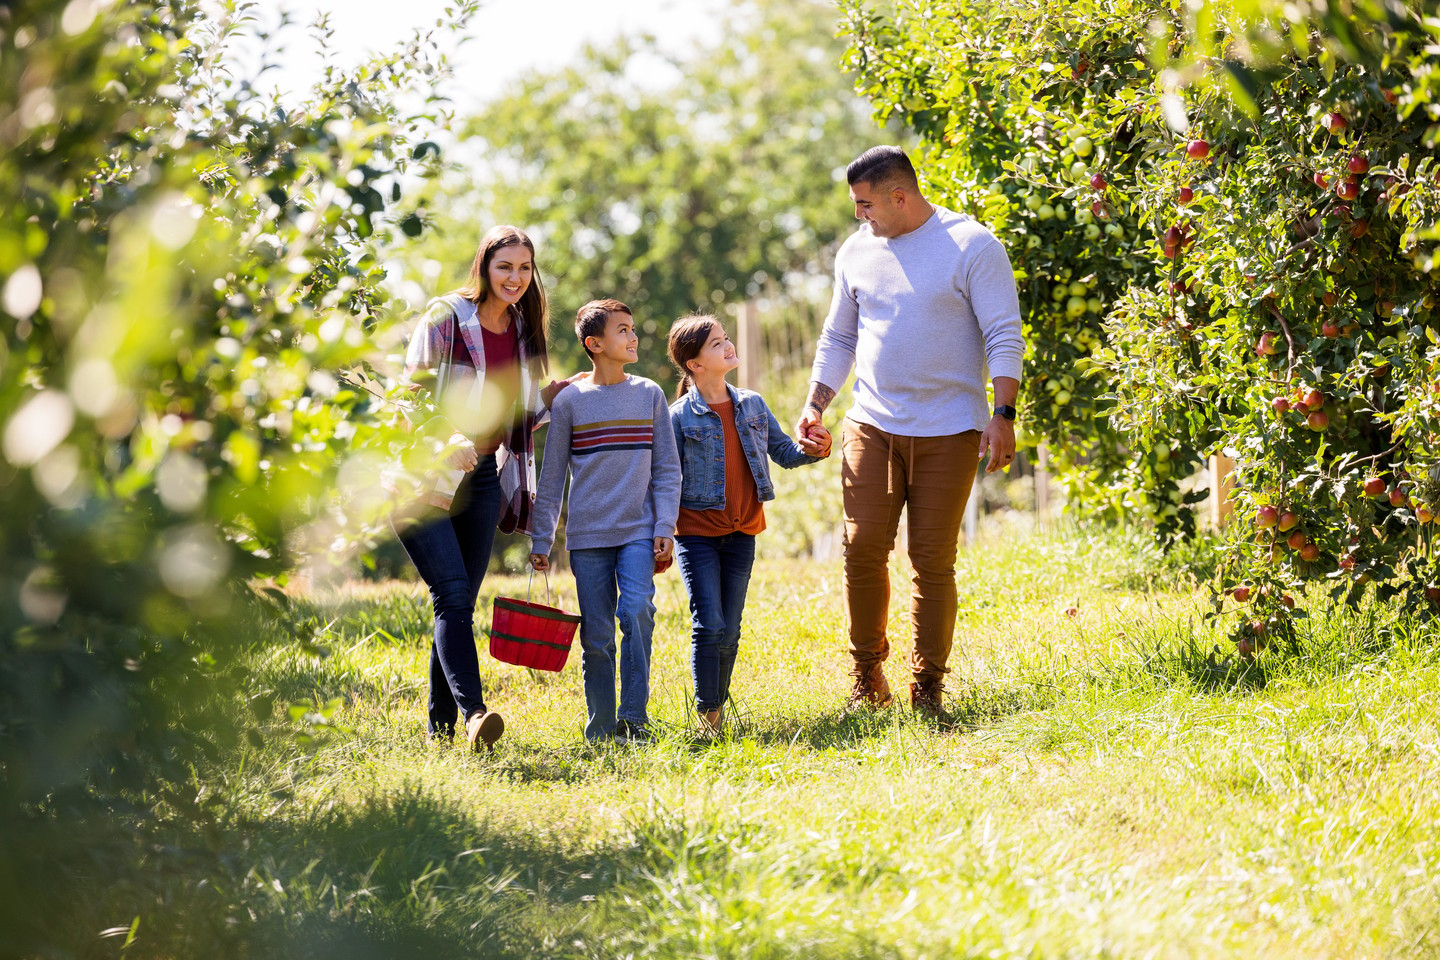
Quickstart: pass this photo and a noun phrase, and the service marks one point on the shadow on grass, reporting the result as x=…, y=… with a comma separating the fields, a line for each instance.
x=966, y=708
x=1208, y=668
x=394, y=877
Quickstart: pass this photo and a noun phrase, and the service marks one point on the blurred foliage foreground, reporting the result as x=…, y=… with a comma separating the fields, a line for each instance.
x=186, y=267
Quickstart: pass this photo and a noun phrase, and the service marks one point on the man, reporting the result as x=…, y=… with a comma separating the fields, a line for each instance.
x=924, y=298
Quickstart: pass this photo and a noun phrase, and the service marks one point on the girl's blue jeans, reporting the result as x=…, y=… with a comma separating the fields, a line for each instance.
x=716, y=571
x=615, y=583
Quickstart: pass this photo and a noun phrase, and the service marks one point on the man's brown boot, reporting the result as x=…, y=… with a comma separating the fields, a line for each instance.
x=871, y=690
x=925, y=695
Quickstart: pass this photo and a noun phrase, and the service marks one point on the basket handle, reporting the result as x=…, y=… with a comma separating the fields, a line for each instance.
x=529, y=585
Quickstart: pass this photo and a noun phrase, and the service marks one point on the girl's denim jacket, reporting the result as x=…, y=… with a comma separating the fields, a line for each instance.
x=701, y=441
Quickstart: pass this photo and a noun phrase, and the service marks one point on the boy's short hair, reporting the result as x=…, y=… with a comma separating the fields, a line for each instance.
x=590, y=319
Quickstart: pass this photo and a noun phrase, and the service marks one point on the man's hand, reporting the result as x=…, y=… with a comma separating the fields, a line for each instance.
x=664, y=549
x=821, y=440
x=998, y=440
x=539, y=562
x=811, y=439
x=462, y=456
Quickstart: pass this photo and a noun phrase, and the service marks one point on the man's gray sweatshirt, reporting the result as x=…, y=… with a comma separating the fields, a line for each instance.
x=617, y=446
x=918, y=316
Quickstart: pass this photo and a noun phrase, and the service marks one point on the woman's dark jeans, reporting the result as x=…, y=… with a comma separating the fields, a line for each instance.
x=452, y=553
x=716, y=571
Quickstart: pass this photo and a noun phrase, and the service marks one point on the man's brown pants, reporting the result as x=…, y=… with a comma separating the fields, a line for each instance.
x=931, y=477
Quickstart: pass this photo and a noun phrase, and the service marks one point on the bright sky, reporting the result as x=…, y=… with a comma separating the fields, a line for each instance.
x=509, y=36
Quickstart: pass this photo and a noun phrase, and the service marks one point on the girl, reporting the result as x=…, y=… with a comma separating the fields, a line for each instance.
x=724, y=435
x=480, y=352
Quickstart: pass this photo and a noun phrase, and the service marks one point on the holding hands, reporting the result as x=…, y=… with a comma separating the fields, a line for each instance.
x=812, y=436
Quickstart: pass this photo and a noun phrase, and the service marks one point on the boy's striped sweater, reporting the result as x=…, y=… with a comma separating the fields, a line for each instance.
x=616, y=445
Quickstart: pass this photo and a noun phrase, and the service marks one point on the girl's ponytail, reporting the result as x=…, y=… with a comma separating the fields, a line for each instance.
x=687, y=339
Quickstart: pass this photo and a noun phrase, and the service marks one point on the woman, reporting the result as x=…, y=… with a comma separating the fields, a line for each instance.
x=480, y=353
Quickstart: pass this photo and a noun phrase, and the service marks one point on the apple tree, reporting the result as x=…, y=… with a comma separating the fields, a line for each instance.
x=187, y=270
x=1270, y=290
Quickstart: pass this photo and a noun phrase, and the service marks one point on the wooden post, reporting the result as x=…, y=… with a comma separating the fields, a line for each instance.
x=1221, y=486
x=972, y=513
x=1042, y=483
x=748, y=346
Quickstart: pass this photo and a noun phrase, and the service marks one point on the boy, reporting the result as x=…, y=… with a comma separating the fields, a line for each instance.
x=611, y=433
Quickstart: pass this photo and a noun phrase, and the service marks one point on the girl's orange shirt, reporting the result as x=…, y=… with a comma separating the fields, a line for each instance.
x=743, y=512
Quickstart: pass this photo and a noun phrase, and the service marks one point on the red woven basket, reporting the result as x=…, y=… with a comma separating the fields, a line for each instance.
x=531, y=634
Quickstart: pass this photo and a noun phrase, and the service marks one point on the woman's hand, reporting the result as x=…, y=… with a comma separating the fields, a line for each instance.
x=463, y=456
x=551, y=390
x=539, y=562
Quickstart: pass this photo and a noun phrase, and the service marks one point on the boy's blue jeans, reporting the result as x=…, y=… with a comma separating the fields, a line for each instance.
x=716, y=571
x=599, y=573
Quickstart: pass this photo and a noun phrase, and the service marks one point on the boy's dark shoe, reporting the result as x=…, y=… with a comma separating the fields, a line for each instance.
x=633, y=732
x=925, y=696
x=484, y=727
x=871, y=690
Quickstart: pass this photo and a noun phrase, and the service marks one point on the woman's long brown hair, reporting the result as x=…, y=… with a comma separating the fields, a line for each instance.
x=534, y=306
x=688, y=337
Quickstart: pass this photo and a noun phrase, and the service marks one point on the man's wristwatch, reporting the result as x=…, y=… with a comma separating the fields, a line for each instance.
x=1007, y=412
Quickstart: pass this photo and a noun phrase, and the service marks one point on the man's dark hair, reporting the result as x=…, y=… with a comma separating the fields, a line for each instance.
x=882, y=167
x=591, y=319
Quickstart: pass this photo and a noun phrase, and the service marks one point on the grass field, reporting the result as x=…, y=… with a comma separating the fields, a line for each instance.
x=1097, y=793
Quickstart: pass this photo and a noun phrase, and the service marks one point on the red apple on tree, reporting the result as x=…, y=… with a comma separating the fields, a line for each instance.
x=1280, y=405
x=1329, y=329
x=1347, y=562
x=1186, y=195
x=1347, y=189
x=1310, y=552
x=1288, y=521
x=1359, y=164
x=1321, y=180
x=1317, y=421
x=1266, y=517
x=1241, y=594
x=1314, y=399
x=1197, y=149
x=1296, y=540
x=1359, y=228
x=1374, y=486
x=1097, y=182
x=1398, y=497
x=1335, y=122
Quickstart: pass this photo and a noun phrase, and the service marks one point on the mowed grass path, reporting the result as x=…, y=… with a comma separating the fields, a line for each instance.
x=1098, y=793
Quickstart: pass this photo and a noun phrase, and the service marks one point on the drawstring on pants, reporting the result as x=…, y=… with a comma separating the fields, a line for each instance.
x=890, y=461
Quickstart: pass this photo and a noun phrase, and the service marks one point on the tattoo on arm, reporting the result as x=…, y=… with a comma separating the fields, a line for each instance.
x=820, y=397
